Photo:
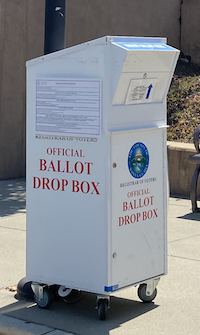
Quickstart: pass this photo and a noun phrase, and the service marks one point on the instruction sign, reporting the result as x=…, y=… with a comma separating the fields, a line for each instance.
x=68, y=107
x=140, y=91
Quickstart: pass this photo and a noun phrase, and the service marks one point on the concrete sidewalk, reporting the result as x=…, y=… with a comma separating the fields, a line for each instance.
x=176, y=307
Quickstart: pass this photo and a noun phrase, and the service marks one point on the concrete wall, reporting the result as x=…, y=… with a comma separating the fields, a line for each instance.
x=180, y=170
x=190, y=29
x=21, y=38
x=178, y=20
x=89, y=19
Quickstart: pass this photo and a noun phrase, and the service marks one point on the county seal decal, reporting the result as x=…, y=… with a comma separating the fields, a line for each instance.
x=138, y=160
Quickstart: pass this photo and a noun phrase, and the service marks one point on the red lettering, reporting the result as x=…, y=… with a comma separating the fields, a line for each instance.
x=140, y=204
x=59, y=151
x=88, y=167
x=43, y=165
x=146, y=202
x=66, y=152
x=135, y=217
x=51, y=166
x=126, y=218
x=151, y=214
x=36, y=185
x=95, y=188
x=77, y=169
x=64, y=183
x=155, y=213
x=75, y=186
x=87, y=188
x=81, y=154
x=76, y=154
x=144, y=216
x=125, y=207
x=151, y=198
x=121, y=221
x=130, y=205
x=45, y=183
x=52, y=184
x=138, y=216
x=59, y=170
x=49, y=151
x=132, y=218
x=67, y=167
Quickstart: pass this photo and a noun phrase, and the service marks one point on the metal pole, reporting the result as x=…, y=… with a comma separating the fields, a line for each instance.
x=54, y=26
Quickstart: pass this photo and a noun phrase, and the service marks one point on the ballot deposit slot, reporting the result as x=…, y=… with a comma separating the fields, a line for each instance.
x=97, y=168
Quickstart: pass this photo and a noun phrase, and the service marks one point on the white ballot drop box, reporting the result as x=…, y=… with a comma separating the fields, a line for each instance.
x=97, y=186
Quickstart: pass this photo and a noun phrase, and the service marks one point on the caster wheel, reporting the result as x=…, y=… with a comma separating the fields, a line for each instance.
x=72, y=297
x=46, y=300
x=63, y=291
x=142, y=293
x=102, y=308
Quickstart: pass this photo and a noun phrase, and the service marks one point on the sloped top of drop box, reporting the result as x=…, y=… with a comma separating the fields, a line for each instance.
x=127, y=43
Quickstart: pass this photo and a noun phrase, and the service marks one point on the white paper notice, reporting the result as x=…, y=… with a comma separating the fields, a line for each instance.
x=68, y=107
x=140, y=91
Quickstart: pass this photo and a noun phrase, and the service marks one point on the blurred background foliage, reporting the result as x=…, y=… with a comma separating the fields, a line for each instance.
x=183, y=102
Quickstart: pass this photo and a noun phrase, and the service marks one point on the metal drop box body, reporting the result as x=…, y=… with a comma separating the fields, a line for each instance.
x=97, y=164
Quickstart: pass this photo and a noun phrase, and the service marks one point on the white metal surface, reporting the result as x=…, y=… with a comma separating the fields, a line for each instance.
x=138, y=209
x=76, y=204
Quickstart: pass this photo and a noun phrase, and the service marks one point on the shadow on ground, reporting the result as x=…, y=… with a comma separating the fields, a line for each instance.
x=12, y=196
x=81, y=317
x=191, y=216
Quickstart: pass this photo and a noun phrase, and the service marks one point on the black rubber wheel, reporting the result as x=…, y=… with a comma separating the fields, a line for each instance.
x=46, y=300
x=142, y=293
x=73, y=297
x=102, y=308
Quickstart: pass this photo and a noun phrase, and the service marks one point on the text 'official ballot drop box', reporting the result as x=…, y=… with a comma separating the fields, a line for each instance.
x=97, y=167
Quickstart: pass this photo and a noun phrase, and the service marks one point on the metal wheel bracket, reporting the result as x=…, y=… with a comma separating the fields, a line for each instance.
x=151, y=286
x=104, y=297
x=38, y=290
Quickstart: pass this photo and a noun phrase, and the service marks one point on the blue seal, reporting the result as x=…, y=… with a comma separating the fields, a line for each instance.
x=138, y=160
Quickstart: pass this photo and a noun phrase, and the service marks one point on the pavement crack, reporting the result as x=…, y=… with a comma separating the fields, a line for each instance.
x=189, y=259
x=12, y=228
x=184, y=238
x=64, y=331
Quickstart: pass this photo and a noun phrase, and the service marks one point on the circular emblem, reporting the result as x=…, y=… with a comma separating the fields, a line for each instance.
x=138, y=160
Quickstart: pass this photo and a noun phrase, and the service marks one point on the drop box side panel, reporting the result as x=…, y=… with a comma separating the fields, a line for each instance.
x=139, y=198
x=66, y=224
x=67, y=188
